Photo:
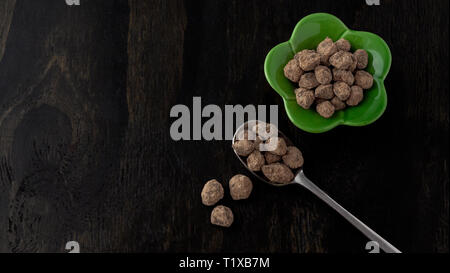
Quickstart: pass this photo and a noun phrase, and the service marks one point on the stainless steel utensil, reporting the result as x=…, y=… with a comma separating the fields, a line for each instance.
x=302, y=180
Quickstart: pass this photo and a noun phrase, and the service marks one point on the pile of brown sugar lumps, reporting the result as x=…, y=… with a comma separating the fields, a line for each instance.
x=240, y=189
x=331, y=77
x=278, y=160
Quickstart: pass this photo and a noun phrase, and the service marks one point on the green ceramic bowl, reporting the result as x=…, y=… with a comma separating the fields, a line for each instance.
x=308, y=33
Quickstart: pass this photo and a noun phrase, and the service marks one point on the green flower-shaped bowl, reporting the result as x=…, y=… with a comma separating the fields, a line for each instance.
x=308, y=33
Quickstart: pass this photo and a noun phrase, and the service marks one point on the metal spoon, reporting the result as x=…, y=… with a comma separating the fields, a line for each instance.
x=302, y=180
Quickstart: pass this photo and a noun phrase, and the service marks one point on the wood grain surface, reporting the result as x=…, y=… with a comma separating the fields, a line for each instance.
x=86, y=154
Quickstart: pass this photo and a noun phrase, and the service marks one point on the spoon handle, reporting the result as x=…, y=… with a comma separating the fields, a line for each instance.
x=372, y=235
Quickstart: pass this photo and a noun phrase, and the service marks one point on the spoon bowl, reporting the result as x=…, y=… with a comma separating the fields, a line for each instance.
x=260, y=176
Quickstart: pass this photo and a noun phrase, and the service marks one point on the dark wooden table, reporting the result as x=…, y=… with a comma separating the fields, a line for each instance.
x=86, y=155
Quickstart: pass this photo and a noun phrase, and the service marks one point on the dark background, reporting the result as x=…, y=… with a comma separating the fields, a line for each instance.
x=86, y=155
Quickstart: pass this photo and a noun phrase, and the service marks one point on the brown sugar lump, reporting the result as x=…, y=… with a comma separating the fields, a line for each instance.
x=271, y=158
x=326, y=48
x=308, y=59
x=292, y=71
x=304, y=97
x=244, y=147
x=293, y=158
x=278, y=172
x=325, y=109
x=308, y=81
x=356, y=96
x=222, y=216
x=344, y=76
x=255, y=161
x=362, y=57
x=338, y=104
x=240, y=187
x=343, y=45
x=341, y=60
x=341, y=90
x=301, y=52
x=324, y=92
x=364, y=79
x=212, y=192
x=276, y=146
x=323, y=74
